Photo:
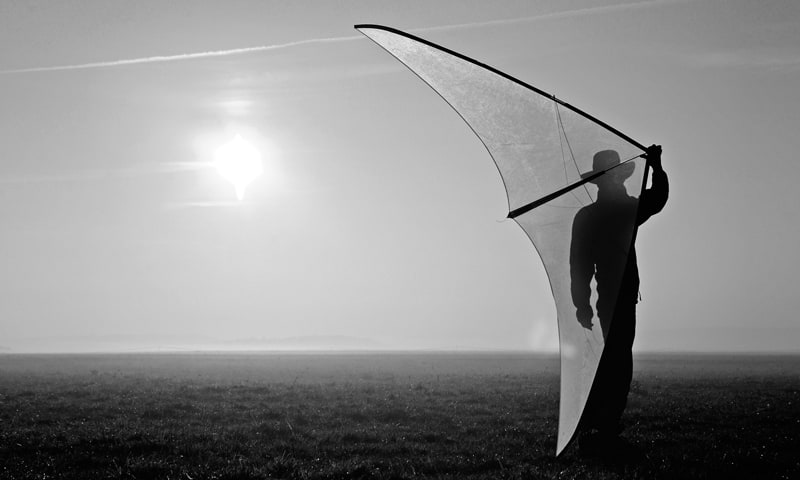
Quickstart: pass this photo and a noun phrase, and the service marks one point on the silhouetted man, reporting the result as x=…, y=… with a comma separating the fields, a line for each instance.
x=602, y=236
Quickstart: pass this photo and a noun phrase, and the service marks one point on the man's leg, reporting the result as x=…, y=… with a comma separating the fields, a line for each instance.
x=595, y=413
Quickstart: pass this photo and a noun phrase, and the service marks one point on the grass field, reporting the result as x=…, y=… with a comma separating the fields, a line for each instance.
x=242, y=416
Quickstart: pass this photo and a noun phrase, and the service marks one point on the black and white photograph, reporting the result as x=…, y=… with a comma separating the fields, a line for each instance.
x=456, y=239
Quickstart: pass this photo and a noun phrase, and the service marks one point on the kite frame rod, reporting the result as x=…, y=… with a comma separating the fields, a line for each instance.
x=506, y=76
x=527, y=208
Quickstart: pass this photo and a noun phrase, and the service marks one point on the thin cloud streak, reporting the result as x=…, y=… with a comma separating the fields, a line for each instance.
x=183, y=56
x=311, y=41
x=553, y=16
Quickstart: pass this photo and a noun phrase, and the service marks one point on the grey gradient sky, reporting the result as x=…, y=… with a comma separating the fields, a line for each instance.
x=380, y=214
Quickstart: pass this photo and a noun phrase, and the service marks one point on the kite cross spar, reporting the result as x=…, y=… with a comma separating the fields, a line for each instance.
x=550, y=156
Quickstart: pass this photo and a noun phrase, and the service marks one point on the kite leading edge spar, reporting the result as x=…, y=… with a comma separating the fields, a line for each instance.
x=544, y=150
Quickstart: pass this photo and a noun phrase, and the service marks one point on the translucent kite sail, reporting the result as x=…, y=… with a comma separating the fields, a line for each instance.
x=544, y=150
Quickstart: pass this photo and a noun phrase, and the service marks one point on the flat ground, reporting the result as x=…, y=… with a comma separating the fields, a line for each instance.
x=239, y=416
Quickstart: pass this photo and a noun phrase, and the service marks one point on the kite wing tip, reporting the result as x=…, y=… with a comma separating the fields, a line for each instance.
x=360, y=26
x=366, y=26
x=560, y=449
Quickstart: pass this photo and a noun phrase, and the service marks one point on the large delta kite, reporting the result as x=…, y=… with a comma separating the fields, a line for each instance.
x=541, y=146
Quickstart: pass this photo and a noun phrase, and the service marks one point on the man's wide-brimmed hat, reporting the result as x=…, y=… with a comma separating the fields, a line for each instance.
x=608, y=159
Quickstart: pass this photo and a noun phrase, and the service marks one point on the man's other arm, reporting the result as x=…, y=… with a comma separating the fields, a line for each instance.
x=581, y=270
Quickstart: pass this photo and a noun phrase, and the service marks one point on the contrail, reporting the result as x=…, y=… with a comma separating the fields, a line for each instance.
x=312, y=41
x=183, y=56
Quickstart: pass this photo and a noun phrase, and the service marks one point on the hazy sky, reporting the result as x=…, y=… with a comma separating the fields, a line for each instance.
x=380, y=214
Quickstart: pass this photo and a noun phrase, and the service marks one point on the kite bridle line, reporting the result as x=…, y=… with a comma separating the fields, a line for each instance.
x=536, y=203
x=571, y=153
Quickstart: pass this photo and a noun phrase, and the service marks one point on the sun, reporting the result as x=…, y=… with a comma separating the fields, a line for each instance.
x=239, y=163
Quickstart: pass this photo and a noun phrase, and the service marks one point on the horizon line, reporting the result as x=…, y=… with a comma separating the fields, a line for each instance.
x=369, y=351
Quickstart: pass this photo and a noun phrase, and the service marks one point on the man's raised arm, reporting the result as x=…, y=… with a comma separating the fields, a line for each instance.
x=654, y=198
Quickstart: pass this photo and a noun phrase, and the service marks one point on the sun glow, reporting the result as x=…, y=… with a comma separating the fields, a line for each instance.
x=239, y=163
